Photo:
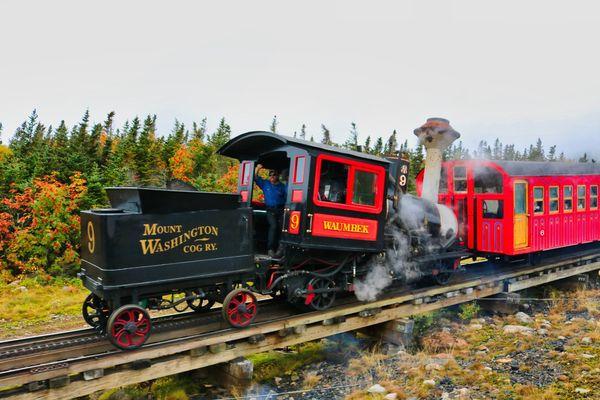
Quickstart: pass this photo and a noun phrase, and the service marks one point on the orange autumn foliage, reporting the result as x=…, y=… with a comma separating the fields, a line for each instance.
x=182, y=164
x=40, y=231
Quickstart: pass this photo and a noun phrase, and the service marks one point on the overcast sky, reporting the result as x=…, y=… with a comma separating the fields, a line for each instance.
x=513, y=69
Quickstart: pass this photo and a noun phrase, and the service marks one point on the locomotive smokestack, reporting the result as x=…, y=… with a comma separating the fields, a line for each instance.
x=436, y=135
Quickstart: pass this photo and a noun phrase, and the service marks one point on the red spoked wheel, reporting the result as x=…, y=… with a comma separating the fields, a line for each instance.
x=129, y=327
x=240, y=308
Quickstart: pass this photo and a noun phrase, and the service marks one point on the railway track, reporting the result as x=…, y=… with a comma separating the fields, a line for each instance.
x=76, y=363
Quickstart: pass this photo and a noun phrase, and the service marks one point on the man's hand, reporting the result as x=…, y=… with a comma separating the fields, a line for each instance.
x=258, y=168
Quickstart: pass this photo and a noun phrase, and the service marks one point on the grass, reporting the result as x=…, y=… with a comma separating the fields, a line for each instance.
x=476, y=367
x=30, y=308
x=273, y=364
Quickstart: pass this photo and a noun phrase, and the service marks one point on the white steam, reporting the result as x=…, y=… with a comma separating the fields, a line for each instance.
x=396, y=264
x=377, y=279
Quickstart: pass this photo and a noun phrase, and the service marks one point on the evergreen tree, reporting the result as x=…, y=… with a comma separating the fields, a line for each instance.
x=303, y=132
x=146, y=157
x=199, y=130
x=326, y=136
x=367, y=148
x=391, y=146
x=552, y=153
x=352, y=142
x=497, y=153
x=378, y=148
x=222, y=135
x=273, y=127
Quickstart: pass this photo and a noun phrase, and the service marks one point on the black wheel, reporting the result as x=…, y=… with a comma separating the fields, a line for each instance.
x=95, y=311
x=442, y=278
x=445, y=270
x=201, y=304
x=320, y=300
x=240, y=308
x=129, y=327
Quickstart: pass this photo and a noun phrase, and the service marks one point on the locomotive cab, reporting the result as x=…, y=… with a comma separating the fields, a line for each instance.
x=335, y=197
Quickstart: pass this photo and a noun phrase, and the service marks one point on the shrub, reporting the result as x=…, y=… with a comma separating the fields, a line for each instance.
x=40, y=231
x=468, y=311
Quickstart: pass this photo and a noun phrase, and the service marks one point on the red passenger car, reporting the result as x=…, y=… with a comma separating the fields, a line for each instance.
x=520, y=207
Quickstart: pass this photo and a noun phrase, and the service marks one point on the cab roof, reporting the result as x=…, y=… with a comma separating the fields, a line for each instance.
x=251, y=145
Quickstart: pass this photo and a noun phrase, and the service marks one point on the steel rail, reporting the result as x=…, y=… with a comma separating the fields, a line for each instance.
x=209, y=347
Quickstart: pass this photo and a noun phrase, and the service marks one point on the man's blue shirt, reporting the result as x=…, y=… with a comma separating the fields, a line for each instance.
x=274, y=194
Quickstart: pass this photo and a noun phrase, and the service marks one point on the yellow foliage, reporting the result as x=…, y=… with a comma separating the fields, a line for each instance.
x=5, y=153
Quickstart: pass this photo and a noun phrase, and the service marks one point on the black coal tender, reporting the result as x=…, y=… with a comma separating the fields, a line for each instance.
x=154, y=242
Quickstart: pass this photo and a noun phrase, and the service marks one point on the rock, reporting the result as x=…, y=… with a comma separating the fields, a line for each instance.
x=433, y=367
x=563, y=378
x=582, y=390
x=523, y=318
x=377, y=388
x=22, y=288
x=561, y=338
x=559, y=347
x=587, y=356
x=474, y=327
x=487, y=368
x=439, y=341
x=278, y=380
x=586, y=340
x=483, y=348
x=391, y=396
x=505, y=360
x=429, y=382
x=542, y=332
x=445, y=396
x=520, y=329
x=463, y=393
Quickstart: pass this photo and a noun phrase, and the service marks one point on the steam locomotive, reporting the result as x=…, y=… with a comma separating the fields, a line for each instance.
x=345, y=212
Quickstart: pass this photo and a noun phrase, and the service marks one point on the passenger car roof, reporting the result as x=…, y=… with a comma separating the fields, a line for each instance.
x=548, y=168
x=250, y=145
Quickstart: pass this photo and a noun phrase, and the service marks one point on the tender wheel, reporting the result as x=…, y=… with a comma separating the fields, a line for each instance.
x=201, y=304
x=95, y=311
x=240, y=308
x=129, y=327
x=323, y=300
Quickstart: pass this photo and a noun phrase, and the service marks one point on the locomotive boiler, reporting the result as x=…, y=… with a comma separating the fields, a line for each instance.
x=345, y=212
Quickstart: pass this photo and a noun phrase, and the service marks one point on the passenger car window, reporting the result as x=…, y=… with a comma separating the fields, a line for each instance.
x=493, y=209
x=553, y=194
x=568, y=198
x=594, y=197
x=520, y=203
x=364, y=188
x=580, y=197
x=460, y=179
x=333, y=182
x=487, y=180
x=538, y=200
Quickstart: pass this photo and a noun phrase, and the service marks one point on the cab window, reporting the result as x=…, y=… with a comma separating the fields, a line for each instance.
x=348, y=184
x=333, y=182
x=364, y=188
